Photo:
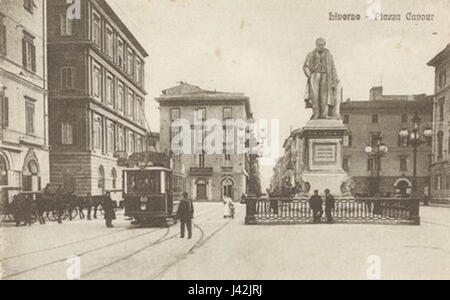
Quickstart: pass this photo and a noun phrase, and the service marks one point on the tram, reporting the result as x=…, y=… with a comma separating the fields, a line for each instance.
x=152, y=188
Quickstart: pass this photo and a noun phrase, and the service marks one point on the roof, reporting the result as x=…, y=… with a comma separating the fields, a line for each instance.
x=122, y=26
x=188, y=92
x=441, y=56
x=383, y=104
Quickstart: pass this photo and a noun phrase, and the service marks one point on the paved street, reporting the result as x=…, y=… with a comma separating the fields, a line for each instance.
x=223, y=249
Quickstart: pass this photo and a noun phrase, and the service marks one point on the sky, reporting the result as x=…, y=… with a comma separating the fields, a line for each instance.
x=258, y=47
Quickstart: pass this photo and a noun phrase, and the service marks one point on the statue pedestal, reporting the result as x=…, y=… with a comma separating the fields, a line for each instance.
x=324, y=159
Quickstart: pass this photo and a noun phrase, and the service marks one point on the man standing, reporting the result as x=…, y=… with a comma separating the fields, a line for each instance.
x=330, y=204
x=186, y=214
x=108, y=207
x=316, y=203
x=322, y=89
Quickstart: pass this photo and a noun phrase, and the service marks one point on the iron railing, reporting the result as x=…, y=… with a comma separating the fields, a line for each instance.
x=347, y=210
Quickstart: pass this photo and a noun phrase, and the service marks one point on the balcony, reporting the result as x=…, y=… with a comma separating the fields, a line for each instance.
x=201, y=171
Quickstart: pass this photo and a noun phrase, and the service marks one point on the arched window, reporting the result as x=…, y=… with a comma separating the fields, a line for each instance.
x=101, y=180
x=228, y=188
x=114, y=178
x=30, y=177
x=440, y=144
x=3, y=171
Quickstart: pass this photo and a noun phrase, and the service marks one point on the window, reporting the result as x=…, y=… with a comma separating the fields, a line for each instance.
x=375, y=118
x=404, y=164
x=139, y=143
x=346, y=163
x=174, y=114
x=4, y=111
x=141, y=115
x=67, y=78
x=442, y=109
x=442, y=79
x=346, y=119
x=227, y=113
x=98, y=132
x=110, y=42
x=28, y=53
x=29, y=116
x=121, y=53
x=438, y=183
x=375, y=138
x=66, y=133
x=110, y=90
x=403, y=141
x=121, y=98
x=29, y=5
x=2, y=36
x=97, y=82
x=131, y=142
x=227, y=157
x=440, y=144
x=97, y=30
x=3, y=171
x=348, y=140
x=404, y=118
x=139, y=72
x=130, y=105
x=101, y=179
x=120, y=139
x=110, y=137
x=66, y=25
x=201, y=114
x=136, y=108
x=372, y=164
x=130, y=63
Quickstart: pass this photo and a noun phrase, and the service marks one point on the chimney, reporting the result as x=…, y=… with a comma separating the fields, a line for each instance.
x=376, y=93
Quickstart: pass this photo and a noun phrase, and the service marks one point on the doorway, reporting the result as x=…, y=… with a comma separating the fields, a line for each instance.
x=202, y=190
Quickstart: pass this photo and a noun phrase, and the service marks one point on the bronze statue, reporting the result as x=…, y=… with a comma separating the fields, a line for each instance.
x=323, y=93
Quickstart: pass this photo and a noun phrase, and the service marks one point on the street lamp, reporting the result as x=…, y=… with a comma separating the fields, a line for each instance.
x=415, y=141
x=378, y=150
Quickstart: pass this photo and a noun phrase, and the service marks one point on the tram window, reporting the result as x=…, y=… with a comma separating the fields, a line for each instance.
x=143, y=182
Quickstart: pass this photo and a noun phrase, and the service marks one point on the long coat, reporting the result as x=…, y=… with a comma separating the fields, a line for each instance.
x=333, y=80
x=185, y=210
x=108, y=207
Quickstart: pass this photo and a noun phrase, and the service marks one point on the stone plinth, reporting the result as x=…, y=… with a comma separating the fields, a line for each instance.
x=324, y=160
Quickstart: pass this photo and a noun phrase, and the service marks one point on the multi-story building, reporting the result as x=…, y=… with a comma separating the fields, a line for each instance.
x=386, y=116
x=23, y=97
x=440, y=169
x=96, y=96
x=209, y=176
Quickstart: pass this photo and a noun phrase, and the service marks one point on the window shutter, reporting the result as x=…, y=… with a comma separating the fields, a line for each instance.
x=24, y=53
x=5, y=112
x=33, y=58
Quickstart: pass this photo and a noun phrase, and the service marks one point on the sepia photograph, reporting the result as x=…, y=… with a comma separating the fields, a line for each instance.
x=226, y=141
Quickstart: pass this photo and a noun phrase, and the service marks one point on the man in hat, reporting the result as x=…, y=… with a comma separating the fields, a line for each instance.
x=185, y=214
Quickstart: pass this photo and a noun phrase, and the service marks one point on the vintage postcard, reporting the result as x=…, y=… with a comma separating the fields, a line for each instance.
x=224, y=140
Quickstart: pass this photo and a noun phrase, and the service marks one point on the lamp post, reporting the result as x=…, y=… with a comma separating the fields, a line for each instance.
x=378, y=149
x=415, y=142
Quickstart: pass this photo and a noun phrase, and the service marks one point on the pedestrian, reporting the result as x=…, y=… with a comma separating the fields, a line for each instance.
x=330, y=205
x=61, y=194
x=228, y=208
x=185, y=214
x=108, y=208
x=316, y=203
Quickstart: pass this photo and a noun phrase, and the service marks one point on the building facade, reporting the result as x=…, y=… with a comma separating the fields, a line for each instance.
x=386, y=115
x=24, y=147
x=210, y=177
x=440, y=168
x=96, y=96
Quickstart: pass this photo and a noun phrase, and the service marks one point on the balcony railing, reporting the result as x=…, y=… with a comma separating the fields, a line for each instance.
x=357, y=211
x=201, y=171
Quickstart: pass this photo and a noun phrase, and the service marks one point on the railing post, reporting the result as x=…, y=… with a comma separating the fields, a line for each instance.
x=414, y=209
x=250, y=213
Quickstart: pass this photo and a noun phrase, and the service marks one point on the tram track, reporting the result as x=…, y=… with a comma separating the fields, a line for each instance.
x=83, y=253
x=200, y=242
x=146, y=247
